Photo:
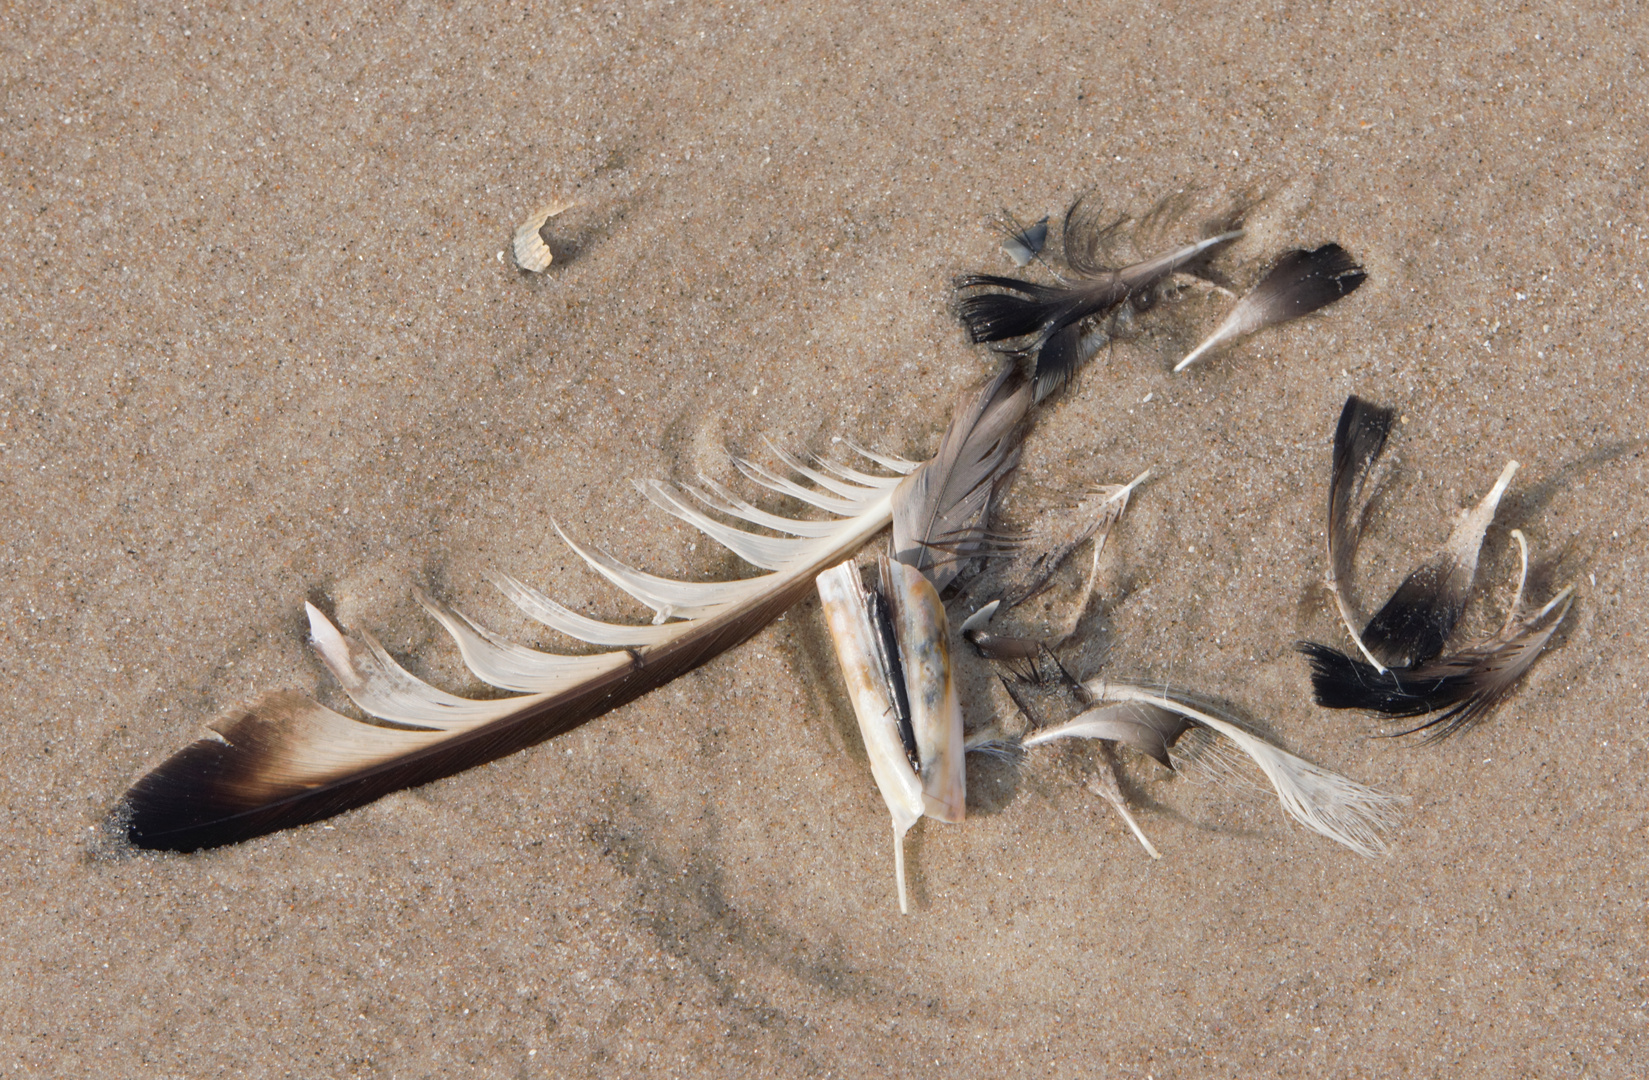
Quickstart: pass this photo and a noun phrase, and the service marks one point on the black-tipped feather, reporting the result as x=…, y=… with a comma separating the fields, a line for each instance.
x=287, y=761
x=243, y=783
x=1299, y=283
x=1049, y=316
x=1359, y=440
x=1404, y=671
x=1002, y=316
x=1415, y=624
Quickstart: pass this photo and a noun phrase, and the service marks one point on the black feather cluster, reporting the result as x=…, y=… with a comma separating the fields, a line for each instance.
x=1047, y=321
x=1404, y=671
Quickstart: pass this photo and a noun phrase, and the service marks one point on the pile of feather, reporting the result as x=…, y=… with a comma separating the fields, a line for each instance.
x=286, y=760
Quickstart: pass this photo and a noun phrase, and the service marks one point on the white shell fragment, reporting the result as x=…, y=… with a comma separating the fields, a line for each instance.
x=923, y=634
x=531, y=253
x=847, y=616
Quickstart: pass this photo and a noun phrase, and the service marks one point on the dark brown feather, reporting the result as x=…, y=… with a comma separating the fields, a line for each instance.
x=939, y=510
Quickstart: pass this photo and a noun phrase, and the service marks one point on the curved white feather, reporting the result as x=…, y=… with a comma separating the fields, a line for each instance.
x=1343, y=810
x=383, y=688
x=829, y=483
x=902, y=466
x=507, y=665
x=866, y=479
x=540, y=608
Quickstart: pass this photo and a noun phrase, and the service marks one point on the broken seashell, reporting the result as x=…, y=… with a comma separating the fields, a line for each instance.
x=904, y=694
x=531, y=253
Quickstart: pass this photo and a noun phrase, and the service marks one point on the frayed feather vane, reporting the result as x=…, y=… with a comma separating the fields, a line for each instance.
x=286, y=760
x=1404, y=670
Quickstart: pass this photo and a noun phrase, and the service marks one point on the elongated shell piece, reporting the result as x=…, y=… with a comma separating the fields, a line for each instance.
x=935, y=710
x=847, y=616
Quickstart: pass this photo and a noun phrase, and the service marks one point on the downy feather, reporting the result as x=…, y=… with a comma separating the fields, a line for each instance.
x=1325, y=802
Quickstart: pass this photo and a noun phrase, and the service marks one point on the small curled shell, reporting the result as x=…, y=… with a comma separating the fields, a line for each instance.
x=531, y=253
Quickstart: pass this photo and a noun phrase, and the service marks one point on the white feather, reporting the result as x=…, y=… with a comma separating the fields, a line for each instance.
x=540, y=608
x=891, y=462
x=1343, y=810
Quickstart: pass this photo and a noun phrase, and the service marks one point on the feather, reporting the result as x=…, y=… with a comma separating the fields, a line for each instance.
x=1299, y=283
x=1325, y=802
x=1149, y=729
x=1462, y=688
x=1051, y=315
x=1403, y=671
x=1106, y=785
x=1359, y=439
x=939, y=509
x=285, y=761
x=1416, y=622
x=1055, y=536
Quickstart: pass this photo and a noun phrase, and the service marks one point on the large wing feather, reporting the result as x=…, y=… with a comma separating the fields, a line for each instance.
x=286, y=761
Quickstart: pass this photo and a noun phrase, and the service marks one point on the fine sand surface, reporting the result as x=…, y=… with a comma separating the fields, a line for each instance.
x=260, y=344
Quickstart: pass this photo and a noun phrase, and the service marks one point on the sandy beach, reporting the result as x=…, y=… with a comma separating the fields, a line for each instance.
x=262, y=343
